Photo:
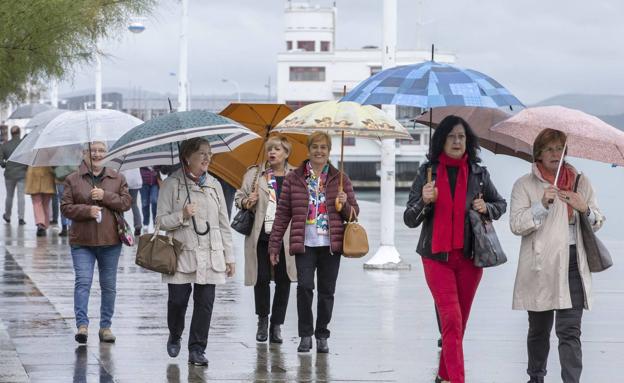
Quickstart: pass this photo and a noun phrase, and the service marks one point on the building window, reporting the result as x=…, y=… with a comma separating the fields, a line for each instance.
x=349, y=141
x=417, y=140
x=375, y=69
x=294, y=105
x=307, y=73
x=324, y=46
x=307, y=46
x=289, y=45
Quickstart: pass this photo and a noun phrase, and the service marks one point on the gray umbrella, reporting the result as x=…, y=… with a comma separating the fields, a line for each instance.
x=29, y=110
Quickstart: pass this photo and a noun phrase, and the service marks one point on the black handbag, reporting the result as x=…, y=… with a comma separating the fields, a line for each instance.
x=243, y=221
x=486, y=247
x=598, y=257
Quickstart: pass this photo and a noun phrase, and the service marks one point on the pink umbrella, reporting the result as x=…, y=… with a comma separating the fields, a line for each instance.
x=481, y=120
x=588, y=136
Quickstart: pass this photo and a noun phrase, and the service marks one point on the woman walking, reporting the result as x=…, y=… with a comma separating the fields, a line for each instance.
x=260, y=192
x=149, y=193
x=206, y=260
x=316, y=235
x=445, y=245
x=91, y=196
x=553, y=281
x=40, y=186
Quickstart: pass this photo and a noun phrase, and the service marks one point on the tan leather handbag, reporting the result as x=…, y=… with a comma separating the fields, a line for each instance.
x=355, y=240
x=158, y=252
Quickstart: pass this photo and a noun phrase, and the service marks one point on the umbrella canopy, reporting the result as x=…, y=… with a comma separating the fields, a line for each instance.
x=154, y=142
x=481, y=120
x=350, y=118
x=61, y=140
x=42, y=119
x=29, y=110
x=430, y=85
x=261, y=119
x=588, y=136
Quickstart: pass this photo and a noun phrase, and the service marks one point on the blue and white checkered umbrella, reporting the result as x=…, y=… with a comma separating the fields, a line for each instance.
x=430, y=85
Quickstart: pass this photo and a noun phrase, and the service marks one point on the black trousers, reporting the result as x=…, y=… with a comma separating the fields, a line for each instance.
x=326, y=266
x=262, y=289
x=568, y=329
x=203, y=302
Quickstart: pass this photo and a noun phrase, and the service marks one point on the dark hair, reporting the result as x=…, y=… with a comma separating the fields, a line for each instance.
x=190, y=146
x=443, y=130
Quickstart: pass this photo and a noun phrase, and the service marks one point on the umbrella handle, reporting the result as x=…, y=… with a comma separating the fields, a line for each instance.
x=197, y=230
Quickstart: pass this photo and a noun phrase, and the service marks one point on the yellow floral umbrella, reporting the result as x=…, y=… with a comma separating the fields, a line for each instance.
x=347, y=119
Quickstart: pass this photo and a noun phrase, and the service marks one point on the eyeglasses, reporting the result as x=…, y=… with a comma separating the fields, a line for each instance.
x=98, y=151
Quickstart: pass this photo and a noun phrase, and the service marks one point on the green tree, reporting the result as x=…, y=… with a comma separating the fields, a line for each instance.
x=44, y=39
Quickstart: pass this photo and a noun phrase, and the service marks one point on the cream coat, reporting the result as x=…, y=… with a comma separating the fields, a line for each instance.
x=251, y=241
x=204, y=257
x=542, y=276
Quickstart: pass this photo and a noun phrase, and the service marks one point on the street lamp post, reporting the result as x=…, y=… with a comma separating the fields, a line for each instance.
x=238, y=94
x=183, y=70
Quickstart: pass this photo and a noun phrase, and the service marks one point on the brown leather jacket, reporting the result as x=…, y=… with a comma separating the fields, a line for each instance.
x=76, y=205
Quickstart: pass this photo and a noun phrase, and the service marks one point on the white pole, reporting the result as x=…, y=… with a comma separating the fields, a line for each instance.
x=98, y=78
x=183, y=70
x=54, y=93
x=387, y=256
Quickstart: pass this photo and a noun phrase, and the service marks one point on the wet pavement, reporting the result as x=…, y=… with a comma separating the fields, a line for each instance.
x=383, y=328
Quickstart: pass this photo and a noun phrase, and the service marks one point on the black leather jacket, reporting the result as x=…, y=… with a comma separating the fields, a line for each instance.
x=418, y=212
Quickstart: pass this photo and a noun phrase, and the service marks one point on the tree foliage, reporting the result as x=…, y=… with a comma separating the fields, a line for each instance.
x=43, y=39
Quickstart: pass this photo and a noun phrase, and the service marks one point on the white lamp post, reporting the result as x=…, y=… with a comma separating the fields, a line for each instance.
x=238, y=94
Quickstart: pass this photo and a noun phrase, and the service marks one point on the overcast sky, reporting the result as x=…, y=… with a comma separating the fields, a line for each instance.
x=536, y=48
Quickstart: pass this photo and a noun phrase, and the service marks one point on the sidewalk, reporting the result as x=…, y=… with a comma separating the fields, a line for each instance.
x=383, y=329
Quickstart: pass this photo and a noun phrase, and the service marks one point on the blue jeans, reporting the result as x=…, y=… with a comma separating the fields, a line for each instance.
x=149, y=197
x=136, y=212
x=84, y=258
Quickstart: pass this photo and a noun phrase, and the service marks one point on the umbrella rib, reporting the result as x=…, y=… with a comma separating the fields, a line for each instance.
x=257, y=114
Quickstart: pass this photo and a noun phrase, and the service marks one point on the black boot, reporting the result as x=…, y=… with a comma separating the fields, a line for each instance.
x=305, y=345
x=321, y=346
x=173, y=346
x=263, y=329
x=275, y=334
x=197, y=358
x=63, y=232
x=536, y=379
x=41, y=231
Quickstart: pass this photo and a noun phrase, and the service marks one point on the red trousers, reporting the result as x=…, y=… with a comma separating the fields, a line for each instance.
x=453, y=285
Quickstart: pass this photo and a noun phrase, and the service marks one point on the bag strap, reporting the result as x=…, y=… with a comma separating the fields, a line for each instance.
x=351, y=214
x=576, y=182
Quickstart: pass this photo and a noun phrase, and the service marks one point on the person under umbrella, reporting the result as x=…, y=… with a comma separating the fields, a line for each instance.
x=206, y=260
x=260, y=193
x=91, y=196
x=446, y=237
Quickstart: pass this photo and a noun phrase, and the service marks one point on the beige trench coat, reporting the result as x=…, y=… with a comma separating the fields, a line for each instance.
x=542, y=276
x=251, y=241
x=203, y=257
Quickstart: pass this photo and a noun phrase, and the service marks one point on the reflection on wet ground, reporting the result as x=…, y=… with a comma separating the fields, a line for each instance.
x=383, y=328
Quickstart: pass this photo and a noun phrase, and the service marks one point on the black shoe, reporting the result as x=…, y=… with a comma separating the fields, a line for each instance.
x=263, y=329
x=305, y=345
x=41, y=231
x=63, y=232
x=22, y=222
x=6, y=219
x=53, y=222
x=137, y=231
x=321, y=346
x=536, y=379
x=173, y=346
x=197, y=358
x=275, y=334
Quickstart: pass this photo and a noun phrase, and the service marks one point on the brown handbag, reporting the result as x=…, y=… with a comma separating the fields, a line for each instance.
x=355, y=240
x=158, y=253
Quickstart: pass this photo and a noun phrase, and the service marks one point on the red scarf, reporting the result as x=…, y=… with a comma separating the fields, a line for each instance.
x=449, y=212
x=566, y=180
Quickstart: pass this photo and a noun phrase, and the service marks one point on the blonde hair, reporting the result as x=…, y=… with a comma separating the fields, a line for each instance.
x=278, y=140
x=318, y=136
x=545, y=137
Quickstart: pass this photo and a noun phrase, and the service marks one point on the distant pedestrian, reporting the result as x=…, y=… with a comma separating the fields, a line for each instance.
x=149, y=193
x=135, y=183
x=60, y=173
x=260, y=192
x=14, y=177
x=553, y=281
x=446, y=237
x=91, y=196
x=207, y=259
x=40, y=187
x=307, y=203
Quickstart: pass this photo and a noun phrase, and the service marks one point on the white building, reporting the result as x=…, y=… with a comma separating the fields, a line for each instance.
x=310, y=70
